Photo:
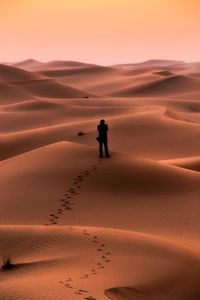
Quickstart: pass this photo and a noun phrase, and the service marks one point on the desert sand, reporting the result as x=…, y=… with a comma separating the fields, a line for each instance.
x=79, y=227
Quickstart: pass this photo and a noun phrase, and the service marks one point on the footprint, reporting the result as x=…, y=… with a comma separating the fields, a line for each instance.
x=68, y=208
x=83, y=291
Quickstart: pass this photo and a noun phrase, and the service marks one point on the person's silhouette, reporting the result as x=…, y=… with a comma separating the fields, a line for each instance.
x=102, y=138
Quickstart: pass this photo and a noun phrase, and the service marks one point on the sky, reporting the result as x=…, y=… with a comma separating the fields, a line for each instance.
x=99, y=31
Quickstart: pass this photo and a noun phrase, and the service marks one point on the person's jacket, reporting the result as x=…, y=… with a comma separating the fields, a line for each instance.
x=102, y=129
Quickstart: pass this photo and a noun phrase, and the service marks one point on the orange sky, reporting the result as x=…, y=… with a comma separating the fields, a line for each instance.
x=100, y=31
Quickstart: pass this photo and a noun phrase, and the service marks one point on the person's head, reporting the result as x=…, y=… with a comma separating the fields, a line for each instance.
x=102, y=122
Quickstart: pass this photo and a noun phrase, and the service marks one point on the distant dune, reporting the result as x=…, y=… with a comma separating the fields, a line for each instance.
x=49, y=88
x=73, y=226
x=8, y=74
x=32, y=64
x=28, y=64
x=11, y=93
x=153, y=63
x=172, y=85
x=82, y=70
x=17, y=82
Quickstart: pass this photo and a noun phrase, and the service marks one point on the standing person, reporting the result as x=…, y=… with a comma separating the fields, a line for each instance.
x=102, y=138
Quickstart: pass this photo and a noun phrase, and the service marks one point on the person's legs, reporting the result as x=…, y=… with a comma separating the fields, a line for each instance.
x=100, y=149
x=106, y=148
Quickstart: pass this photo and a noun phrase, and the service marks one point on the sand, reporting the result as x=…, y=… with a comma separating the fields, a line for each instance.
x=79, y=227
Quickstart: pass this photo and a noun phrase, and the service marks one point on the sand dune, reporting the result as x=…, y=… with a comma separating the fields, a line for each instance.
x=28, y=64
x=82, y=70
x=51, y=65
x=161, y=63
x=155, y=63
x=10, y=93
x=148, y=123
x=23, y=82
x=31, y=105
x=127, y=172
x=178, y=84
x=9, y=74
x=38, y=250
x=49, y=88
x=57, y=64
x=79, y=227
x=191, y=163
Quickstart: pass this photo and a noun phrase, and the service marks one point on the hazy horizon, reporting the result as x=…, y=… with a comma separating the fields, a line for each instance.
x=90, y=62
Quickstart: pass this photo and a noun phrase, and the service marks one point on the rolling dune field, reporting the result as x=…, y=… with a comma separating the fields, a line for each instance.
x=79, y=227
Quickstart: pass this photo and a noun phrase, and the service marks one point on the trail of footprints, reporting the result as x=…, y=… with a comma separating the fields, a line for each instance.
x=103, y=256
x=67, y=204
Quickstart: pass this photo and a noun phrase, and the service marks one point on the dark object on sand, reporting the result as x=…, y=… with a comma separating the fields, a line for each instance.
x=102, y=138
x=80, y=133
x=86, y=97
x=7, y=265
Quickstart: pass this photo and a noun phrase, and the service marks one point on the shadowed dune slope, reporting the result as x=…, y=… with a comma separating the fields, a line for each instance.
x=177, y=84
x=10, y=93
x=12, y=74
x=82, y=70
x=50, y=88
